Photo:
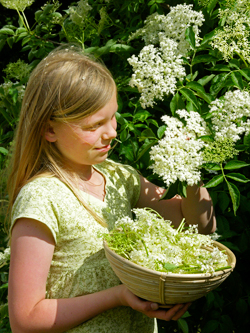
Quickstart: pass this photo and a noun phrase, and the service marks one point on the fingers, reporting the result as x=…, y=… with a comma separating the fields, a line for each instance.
x=180, y=311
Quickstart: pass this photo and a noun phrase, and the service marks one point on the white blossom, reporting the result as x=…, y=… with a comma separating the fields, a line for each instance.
x=173, y=26
x=231, y=115
x=159, y=243
x=156, y=70
x=178, y=154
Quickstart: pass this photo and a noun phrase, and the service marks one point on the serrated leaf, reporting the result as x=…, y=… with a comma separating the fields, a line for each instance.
x=216, y=180
x=235, y=196
x=238, y=177
x=235, y=164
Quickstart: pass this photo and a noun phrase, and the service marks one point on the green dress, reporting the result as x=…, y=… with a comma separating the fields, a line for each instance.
x=79, y=265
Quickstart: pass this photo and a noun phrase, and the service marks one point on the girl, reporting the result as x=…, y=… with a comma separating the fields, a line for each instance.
x=64, y=192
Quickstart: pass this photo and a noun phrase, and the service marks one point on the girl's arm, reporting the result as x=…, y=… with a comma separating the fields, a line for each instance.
x=197, y=208
x=32, y=247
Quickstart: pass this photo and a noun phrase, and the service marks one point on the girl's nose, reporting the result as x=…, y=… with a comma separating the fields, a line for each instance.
x=110, y=131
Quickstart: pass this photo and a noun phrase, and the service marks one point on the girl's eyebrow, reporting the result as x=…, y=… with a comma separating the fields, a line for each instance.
x=92, y=124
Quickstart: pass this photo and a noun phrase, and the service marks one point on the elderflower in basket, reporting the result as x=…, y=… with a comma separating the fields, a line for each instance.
x=166, y=265
x=152, y=242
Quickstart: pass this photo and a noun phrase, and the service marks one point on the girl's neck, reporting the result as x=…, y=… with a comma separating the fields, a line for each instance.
x=93, y=183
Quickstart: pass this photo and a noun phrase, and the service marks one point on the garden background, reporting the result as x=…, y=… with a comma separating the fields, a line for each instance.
x=215, y=62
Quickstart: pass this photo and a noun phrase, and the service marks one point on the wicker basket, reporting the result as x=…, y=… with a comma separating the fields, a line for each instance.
x=163, y=288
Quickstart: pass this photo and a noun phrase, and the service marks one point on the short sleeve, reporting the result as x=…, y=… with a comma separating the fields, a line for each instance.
x=35, y=201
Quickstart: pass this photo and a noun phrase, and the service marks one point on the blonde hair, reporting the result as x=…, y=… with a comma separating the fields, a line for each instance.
x=65, y=86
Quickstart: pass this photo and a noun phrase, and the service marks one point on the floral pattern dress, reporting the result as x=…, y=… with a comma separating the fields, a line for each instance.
x=79, y=265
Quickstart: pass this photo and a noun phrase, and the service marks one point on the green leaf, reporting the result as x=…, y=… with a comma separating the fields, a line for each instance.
x=246, y=140
x=235, y=196
x=176, y=103
x=220, y=68
x=203, y=58
x=238, y=177
x=210, y=326
x=145, y=147
x=235, y=164
x=124, y=135
x=6, y=31
x=169, y=267
x=208, y=37
x=121, y=48
x=190, y=36
x=161, y=130
x=237, y=80
x=200, y=91
x=142, y=115
x=182, y=324
x=190, y=97
x=3, y=151
x=210, y=6
x=206, y=138
x=171, y=191
x=246, y=73
x=212, y=166
x=204, y=80
x=146, y=134
x=216, y=180
x=218, y=83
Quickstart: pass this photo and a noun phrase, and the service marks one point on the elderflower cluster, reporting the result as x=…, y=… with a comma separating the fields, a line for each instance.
x=173, y=26
x=154, y=243
x=159, y=65
x=17, y=4
x=178, y=154
x=79, y=13
x=231, y=115
x=156, y=70
x=233, y=38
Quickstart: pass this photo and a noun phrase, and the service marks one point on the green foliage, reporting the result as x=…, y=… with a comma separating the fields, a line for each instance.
x=32, y=33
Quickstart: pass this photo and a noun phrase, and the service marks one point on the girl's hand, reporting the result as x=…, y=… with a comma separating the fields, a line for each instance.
x=151, y=309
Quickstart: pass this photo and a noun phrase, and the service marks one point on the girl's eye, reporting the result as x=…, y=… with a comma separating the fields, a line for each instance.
x=92, y=128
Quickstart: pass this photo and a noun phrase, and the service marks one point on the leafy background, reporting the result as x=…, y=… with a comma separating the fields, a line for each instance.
x=27, y=36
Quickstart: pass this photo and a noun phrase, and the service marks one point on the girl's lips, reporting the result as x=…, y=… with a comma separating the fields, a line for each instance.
x=104, y=148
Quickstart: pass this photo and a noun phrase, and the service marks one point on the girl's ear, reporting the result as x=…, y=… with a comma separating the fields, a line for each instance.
x=49, y=134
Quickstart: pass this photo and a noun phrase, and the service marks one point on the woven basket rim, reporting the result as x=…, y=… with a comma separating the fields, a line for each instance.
x=230, y=255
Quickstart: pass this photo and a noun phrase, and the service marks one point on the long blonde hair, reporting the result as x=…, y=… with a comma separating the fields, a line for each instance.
x=65, y=86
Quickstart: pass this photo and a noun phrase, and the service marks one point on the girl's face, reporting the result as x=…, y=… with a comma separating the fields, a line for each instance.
x=87, y=141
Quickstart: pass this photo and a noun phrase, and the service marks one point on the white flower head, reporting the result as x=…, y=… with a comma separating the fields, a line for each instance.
x=156, y=70
x=178, y=155
x=231, y=115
